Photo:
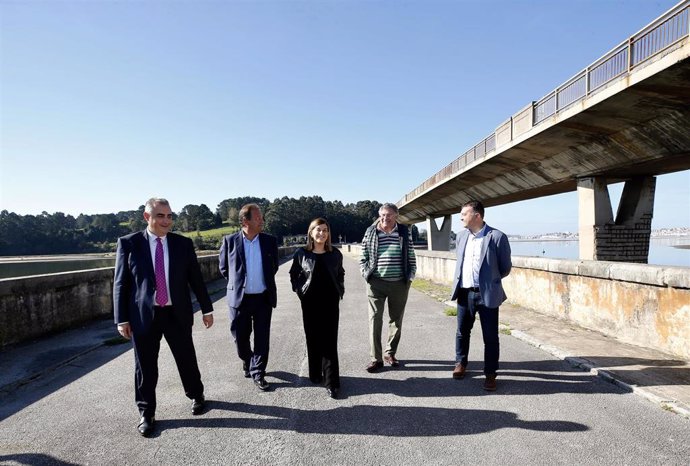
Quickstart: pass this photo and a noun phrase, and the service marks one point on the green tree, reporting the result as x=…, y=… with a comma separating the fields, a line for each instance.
x=228, y=209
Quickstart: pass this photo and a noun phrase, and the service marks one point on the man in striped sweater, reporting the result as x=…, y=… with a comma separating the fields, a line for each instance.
x=388, y=264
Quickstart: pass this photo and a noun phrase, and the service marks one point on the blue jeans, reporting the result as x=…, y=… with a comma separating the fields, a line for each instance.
x=469, y=305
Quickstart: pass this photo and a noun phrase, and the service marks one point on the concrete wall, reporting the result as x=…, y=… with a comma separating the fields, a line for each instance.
x=645, y=305
x=43, y=304
x=35, y=306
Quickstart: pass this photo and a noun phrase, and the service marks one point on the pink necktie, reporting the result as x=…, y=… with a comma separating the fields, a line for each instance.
x=161, y=287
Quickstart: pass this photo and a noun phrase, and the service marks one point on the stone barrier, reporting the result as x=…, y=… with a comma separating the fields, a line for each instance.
x=645, y=305
x=35, y=306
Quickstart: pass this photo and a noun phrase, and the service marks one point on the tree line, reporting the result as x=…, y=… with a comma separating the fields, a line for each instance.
x=58, y=233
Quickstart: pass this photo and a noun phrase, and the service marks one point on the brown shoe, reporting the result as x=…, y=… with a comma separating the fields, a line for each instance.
x=459, y=371
x=374, y=366
x=490, y=383
x=390, y=359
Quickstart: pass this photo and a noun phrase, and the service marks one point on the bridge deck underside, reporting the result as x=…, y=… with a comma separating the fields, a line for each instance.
x=640, y=131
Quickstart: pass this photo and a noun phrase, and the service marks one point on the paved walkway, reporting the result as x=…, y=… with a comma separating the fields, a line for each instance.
x=68, y=399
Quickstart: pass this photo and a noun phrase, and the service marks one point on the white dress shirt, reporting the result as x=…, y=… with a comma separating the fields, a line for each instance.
x=471, y=262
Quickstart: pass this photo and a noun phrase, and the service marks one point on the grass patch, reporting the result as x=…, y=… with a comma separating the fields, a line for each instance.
x=504, y=328
x=215, y=232
x=439, y=292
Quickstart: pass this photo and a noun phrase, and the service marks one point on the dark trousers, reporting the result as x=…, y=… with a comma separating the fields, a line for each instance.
x=320, y=318
x=147, y=345
x=469, y=305
x=254, y=314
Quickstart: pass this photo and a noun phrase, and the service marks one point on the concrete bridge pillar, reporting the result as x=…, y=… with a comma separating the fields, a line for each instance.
x=594, y=209
x=438, y=239
x=627, y=238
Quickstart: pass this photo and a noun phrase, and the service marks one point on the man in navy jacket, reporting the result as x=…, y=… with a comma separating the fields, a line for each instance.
x=483, y=260
x=249, y=261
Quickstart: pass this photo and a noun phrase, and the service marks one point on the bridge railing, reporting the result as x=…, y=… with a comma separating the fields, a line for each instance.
x=653, y=40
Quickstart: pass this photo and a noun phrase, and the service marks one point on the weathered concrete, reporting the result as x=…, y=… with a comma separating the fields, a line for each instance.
x=627, y=237
x=38, y=305
x=641, y=304
x=438, y=239
x=35, y=306
x=632, y=302
x=594, y=209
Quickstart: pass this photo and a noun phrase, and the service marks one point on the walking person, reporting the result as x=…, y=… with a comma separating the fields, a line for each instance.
x=154, y=271
x=388, y=264
x=249, y=261
x=318, y=278
x=483, y=260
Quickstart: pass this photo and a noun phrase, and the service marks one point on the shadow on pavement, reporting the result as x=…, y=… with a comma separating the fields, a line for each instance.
x=42, y=386
x=648, y=373
x=72, y=359
x=35, y=459
x=392, y=421
x=519, y=378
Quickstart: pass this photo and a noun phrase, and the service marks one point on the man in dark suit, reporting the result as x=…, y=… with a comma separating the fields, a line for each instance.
x=154, y=270
x=249, y=261
x=483, y=260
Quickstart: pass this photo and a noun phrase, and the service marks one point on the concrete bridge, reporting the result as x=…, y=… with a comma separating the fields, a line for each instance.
x=624, y=117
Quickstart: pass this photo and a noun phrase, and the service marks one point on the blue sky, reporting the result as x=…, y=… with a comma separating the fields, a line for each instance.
x=106, y=103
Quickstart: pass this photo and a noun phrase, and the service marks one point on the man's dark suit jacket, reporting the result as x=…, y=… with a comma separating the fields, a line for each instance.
x=135, y=280
x=233, y=266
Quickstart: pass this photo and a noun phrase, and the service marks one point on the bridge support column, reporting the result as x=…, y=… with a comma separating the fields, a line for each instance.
x=594, y=209
x=438, y=239
x=627, y=238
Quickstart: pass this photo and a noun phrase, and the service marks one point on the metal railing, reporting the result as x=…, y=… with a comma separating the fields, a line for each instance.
x=653, y=40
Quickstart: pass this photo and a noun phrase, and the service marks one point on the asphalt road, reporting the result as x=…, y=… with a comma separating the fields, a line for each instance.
x=544, y=412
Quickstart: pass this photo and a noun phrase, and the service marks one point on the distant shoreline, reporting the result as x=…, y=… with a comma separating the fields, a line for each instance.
x=575, y=238
x=539, y=240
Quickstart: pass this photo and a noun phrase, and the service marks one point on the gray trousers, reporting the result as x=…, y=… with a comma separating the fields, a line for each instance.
x=396, y=293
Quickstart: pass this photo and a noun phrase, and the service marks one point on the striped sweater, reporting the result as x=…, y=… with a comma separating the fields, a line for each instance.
x=388, y=256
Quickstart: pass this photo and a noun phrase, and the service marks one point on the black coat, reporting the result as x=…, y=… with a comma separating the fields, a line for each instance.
x=302, y=268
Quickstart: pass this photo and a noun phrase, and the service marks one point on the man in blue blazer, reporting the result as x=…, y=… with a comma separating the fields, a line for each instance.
x=154, y=270
x=483, y=260
x=249, y=261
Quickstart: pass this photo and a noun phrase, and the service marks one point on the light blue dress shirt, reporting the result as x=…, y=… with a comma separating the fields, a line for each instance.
x=255, y=283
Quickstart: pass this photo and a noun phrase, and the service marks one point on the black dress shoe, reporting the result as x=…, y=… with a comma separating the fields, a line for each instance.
x=198, y=405
x=145, y=426
x=261, y=384
x=332, y=392
x=245, y=368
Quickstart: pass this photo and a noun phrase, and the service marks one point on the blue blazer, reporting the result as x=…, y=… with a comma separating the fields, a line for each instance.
x=495, y=265
x=135, y=281
x=233, y=266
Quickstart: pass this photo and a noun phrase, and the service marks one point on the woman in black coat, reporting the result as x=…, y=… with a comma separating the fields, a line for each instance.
x=318, y=278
